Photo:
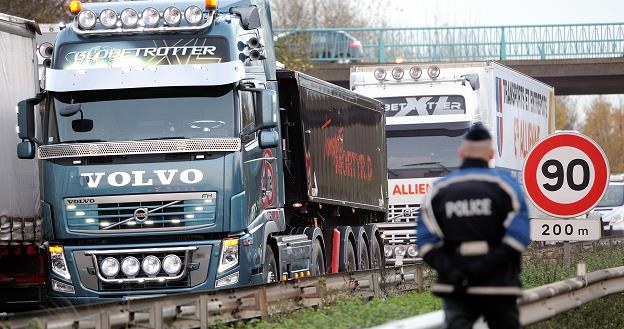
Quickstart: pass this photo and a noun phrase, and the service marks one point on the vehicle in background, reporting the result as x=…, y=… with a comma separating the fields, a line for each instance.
x=429, y=107
x=175, y=157
x=611, y=207
x=22, y=273
x=323, y=46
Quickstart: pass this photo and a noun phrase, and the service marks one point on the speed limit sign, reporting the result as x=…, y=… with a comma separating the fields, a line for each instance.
x=566, y=174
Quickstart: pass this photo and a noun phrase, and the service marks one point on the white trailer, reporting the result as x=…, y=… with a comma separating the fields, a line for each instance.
x=21, y=263
x=429, y=107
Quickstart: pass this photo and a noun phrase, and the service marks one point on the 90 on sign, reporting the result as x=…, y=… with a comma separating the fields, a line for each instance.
x=565, y=229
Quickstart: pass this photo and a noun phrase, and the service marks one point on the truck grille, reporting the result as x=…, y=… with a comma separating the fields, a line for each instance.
x=403, y=213
x=173, y=211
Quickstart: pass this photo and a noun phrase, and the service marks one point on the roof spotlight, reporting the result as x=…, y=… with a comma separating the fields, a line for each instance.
x=415, y=72
x=108, y=18
x=397, y=73
x=433, y=72
x=380, y=74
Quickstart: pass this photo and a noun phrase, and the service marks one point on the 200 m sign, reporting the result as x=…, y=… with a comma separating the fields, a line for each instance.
x=566, y=174
x=565, y=229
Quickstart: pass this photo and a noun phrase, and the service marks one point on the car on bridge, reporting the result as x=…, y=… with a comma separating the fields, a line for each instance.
x=322, y=46
x=611, y=207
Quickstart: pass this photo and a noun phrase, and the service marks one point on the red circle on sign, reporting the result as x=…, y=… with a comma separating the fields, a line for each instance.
x=583, y=144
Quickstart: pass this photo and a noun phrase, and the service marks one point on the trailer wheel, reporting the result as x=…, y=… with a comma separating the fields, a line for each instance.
x=318, y=262
x=364, y=259
x=269, y=268
x=375, y=254
x=350, y=258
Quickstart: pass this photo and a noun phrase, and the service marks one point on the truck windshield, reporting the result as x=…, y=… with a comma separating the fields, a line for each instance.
x=140, y=114
x=614, y=196
x=423, y=153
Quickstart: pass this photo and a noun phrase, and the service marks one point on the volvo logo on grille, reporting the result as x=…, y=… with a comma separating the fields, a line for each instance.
x=141, y=214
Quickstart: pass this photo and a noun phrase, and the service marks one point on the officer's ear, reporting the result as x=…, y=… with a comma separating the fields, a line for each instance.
x=491, y=154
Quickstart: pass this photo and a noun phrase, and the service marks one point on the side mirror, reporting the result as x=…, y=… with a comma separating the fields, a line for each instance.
x=26, y=117
x=26, y=150
x=82, y=125
x=473, y=80
x=268, y=139
x=267, y=112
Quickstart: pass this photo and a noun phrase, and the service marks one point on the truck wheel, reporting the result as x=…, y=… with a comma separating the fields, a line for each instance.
x=318, y=262
x=269, y=268
x=375, y=254
x=350, y=258
x=363, y=259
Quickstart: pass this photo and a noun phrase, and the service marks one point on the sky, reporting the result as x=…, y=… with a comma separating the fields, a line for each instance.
x=430, y=13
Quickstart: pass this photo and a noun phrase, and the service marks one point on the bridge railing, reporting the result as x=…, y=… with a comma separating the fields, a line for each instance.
x=526, y=42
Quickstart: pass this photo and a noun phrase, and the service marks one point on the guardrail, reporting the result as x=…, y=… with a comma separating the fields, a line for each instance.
x=426, y=44
x=197, y=310
x=541, y=303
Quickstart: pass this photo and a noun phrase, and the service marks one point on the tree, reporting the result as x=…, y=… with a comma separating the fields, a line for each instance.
x=565, y=113
x=41, y=11
x=604, y=123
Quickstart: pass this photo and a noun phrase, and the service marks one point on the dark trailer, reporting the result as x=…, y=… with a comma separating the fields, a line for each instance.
x=335, y=150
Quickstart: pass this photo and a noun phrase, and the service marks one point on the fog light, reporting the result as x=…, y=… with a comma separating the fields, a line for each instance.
x=397, y=73
x=412, y=251
x=151, y=265
x=399, y=250
x=108, y=18
x=62, y=287
x=415, y=72
x=110, y=267
x=193, y=15
x=129, y=17
x=87, y=19
x=433, y=72
x=380, y=74
x=151, y=16
x=388, y=251
x=227, y=281
x=130, y=266
x=172, y=16
x=172, y=264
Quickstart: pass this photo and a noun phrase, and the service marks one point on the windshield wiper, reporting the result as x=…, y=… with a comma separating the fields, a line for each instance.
x=84, y=141
x=162, y=138
x=436, y=163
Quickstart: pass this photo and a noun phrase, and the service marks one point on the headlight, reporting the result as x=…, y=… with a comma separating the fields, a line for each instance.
x=151, y=265
x=172, y=264
x=108, y=18
x=397, y=73
x=129, y=17
x=388, y=251
x=130, y=266
x=412, y=251
x=415, y=72
x=109, y=267
x=57, y=262
x=172, y=16
x=193, y=15
x=87, y=19
x=229, y=255
x=151, y=16
x=399, y=250
x=380, y=74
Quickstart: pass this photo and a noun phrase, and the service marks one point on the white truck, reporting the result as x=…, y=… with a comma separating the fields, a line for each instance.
x=429, y=107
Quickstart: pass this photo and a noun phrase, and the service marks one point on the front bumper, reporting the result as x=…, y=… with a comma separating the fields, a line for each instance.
x=201, y=273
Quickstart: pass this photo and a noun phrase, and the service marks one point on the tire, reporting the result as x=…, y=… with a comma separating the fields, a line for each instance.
x=317, y=261
x=363, y=255
x=350, y=258
x=376, y=256
x=269, y=267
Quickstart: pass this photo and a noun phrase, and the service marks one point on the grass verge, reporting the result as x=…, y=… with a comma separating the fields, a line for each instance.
x=537, y=270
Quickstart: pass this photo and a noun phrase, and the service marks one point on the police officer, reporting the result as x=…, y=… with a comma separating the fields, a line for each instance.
x=472, y=229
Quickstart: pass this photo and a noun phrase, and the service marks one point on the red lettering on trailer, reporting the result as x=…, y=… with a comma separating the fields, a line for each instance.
x=411, y=189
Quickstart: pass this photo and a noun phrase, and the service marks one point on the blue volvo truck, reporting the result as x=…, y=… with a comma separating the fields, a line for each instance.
x=174, y=157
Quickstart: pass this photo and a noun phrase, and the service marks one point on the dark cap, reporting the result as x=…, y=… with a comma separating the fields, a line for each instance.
x=477, y=132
